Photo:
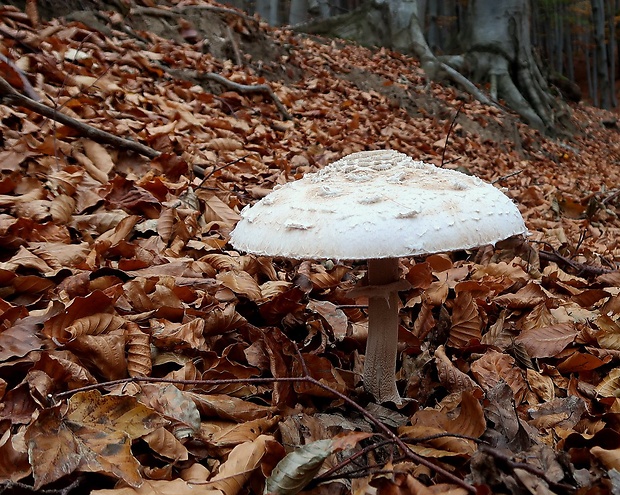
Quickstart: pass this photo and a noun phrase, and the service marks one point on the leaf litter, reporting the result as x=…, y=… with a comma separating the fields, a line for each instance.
x=116, y=266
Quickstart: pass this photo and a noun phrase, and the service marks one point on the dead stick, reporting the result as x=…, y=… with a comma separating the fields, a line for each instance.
x=8, y=94
x=580, y=267
x=244, y=88
x=287, y=379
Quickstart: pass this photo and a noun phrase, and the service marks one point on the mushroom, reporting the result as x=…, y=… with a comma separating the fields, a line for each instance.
x=378, y=206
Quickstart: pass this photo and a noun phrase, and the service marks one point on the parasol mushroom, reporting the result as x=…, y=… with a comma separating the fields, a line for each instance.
x=378, y=206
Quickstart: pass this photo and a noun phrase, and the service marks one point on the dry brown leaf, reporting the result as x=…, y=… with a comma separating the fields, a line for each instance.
x=334, y=316
x=219, y=321
x=233, y=474
x=218, y=211
x=189, y=335
x=240, y=283
x=547, y=341
x=93, y=434
x=166, y=444
x=230, y=408
x=527, y=297
x=466, y=321
x=106, y=353
x=93, y=325
x=493, y=367
x=470, y=422
x=225, y=144
x=225, y=434
x=62, y=208
x=174, y=404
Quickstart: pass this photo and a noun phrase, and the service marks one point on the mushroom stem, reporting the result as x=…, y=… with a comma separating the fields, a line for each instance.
x=381, y=345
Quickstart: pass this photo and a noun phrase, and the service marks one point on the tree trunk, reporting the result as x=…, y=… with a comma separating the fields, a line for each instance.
x=602, y=65
x=298, y=12
x=498, y=50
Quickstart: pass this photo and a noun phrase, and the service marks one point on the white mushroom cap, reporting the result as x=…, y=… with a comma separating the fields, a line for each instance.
x=377, y=204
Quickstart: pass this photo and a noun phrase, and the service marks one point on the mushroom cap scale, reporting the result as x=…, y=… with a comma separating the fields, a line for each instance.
x=377, y=204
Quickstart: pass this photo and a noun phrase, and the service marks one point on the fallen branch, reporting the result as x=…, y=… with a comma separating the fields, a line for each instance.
x=575, y=265
x=192, y=75
x=9, y=95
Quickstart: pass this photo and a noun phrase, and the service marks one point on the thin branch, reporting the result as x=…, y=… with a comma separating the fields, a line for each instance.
x=306, y=378
x=507, y=176
x=9, y=95
x=445, y=146
x=222, y=167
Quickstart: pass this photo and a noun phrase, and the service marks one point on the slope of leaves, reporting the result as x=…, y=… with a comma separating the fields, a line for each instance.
x=116, y=267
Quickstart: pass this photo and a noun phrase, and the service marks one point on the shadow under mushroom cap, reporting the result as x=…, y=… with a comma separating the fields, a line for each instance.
x=377, y=204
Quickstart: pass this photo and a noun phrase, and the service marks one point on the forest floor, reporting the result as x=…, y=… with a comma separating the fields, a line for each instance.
x=139, y=353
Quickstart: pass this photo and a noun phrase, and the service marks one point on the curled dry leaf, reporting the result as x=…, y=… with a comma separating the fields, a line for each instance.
x=466, y=321
x=62, y=208
x=162, y=487
x=242, y=462
x=453, y=379
x=226, y=435
x=166, y=224
x=139, y=362
x=240, y=283
x=106, y=353
x=229, y=408
x=219, y=321
x=166, y=444
x=170, y=335
x=92, y=325
x=175, y=405
x=225, y=144
x=334, y=316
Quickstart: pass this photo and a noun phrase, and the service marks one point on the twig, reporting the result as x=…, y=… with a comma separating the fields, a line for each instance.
x=445, y=146
x=507, y=176
x=331, y=473
x=217, y=169
x=9, y=95
x=178, y=11
x=611, y=197
x=235, y=46
x=305, y=378
x=27, y=87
